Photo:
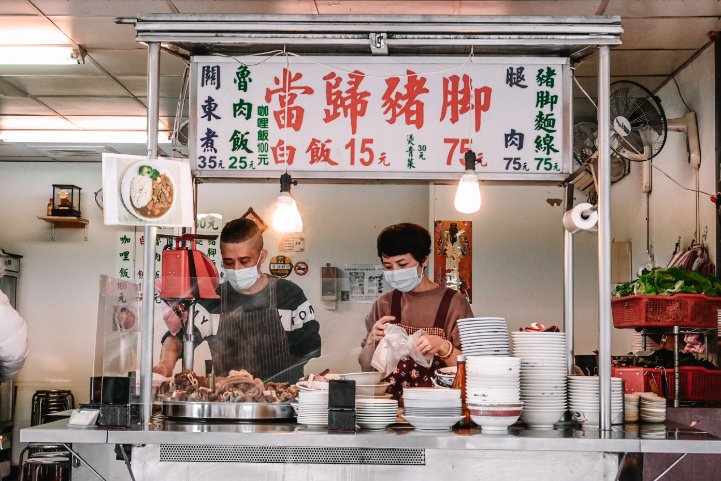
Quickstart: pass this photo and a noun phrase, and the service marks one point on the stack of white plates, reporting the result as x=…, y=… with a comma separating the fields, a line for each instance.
x=584, y=403
x=543, y=376
x=375, y=414
x=484, y=336
x=652, y=408
x=429, y=409
x=312, y=408
x=718, y=320
x=492, y=379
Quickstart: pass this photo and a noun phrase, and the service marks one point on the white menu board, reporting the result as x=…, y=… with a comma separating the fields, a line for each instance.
x=363, y=117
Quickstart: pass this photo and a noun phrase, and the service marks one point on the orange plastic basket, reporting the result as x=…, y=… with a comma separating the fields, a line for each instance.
x=683, y=310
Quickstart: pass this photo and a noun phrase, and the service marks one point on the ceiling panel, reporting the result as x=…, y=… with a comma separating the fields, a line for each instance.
x=16, y=8
x=135, y=62
x=246, y=6
x=34, y=122
x=93, y=8
x=109, y=122
x=95, y=33
x=398, y=7
x=638, y=62
x=95, y=105
x=83, y=69
x=22, y=106
x=168, y=105
x=30, y=29
x=16, y=150
x=169, y=85
x=75, y=86
x=663, y=8
x=667, y=33
x=528, y=7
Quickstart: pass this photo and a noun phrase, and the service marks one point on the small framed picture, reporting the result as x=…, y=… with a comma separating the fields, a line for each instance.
x=250, y=214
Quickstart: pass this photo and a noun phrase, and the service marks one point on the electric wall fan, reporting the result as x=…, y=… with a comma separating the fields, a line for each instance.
x=640, y=127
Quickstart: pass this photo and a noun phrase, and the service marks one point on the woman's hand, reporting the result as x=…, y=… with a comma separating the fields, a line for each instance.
x=431, y=344
x=378, y=330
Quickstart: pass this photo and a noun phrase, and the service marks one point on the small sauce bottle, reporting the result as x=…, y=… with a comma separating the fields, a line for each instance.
x=50, y=207
x=459, y=382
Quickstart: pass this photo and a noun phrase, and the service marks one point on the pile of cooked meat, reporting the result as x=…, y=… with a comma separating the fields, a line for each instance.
x=239, y=386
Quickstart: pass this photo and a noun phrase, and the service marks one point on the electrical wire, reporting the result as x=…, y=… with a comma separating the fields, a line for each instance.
x=274, y=53
x=679, y=93
x=678, y=183
x=578, y=84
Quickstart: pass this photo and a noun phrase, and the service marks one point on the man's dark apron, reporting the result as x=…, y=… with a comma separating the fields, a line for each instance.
x=251, y=340
x=408, y=373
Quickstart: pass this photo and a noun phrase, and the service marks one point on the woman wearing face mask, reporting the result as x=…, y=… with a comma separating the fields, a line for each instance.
x=415, y=303
x=261, y=324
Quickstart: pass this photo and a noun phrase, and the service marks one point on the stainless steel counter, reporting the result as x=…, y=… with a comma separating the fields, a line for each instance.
x=668, y=438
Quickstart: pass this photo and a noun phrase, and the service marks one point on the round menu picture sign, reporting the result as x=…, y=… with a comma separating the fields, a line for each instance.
x=281, y=266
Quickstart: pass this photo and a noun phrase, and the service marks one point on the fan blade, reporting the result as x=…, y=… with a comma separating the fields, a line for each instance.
x=645, y=114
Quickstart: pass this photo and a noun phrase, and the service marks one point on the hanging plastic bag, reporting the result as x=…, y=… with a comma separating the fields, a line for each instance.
x=395, y=345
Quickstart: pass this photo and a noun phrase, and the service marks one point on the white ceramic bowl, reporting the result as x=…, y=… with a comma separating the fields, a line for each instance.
x=541, y=418
x=371, y=389
x=364, y=378
x=495, y=423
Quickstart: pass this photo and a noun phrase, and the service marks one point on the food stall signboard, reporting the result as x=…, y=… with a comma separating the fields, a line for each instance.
x=358, y=117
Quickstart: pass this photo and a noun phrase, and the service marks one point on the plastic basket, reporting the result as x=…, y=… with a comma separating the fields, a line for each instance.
x=696, y=384
x=683, y=310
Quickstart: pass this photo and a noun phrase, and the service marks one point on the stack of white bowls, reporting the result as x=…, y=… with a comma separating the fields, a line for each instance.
x=652, y=408
x=312, y=408
x=493, y=391
x=375, y=414
x=429, y=409
x=584, y=401
x=630, y=407
x=543, y=376
x=484, y=336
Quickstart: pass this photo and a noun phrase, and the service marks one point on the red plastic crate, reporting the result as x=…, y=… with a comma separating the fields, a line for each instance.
x=697, y=383
x=683, y=310
x=638, y=379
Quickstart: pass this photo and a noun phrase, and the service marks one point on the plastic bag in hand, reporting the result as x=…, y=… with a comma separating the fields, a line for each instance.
x=395, y=345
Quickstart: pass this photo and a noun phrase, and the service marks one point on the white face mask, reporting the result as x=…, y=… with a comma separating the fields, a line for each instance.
x=242, y=279
x=405, y=280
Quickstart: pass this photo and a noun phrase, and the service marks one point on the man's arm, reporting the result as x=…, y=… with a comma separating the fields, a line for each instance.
x=169, y=354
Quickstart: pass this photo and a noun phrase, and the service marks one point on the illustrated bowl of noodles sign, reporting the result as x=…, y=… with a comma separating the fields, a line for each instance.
x=280, y=266
x=148, y=190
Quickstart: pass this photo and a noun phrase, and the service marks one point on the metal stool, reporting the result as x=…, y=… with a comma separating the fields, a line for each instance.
x=45, y=465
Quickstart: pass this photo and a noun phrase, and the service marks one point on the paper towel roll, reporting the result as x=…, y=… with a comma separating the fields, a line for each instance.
x=581, y=217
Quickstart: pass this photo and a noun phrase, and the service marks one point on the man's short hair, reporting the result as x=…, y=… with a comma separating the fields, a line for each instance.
x=405, y=238
x=240, y=230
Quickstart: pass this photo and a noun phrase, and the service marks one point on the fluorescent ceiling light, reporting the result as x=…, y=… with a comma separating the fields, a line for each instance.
x=40, y=55
x=79, y=137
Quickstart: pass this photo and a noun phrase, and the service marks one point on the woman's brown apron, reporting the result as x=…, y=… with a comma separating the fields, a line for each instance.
x=251, y=340
x=408, y=373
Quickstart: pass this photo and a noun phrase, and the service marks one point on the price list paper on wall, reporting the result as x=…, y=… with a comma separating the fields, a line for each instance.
x=380, y=117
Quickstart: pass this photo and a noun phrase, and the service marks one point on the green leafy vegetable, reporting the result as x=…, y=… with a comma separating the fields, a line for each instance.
x=670, y=281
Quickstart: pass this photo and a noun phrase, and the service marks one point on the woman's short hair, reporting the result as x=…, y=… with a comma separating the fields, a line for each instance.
x=404, y=238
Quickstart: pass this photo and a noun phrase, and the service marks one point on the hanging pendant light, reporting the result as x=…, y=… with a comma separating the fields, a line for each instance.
x=286, y=217
x=468, y=195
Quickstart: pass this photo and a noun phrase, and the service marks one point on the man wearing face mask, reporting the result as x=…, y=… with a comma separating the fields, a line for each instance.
x=262, y=324
x=415, y=303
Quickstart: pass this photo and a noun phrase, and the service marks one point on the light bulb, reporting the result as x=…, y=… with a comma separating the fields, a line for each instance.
x=286, y=217
x=468, y=195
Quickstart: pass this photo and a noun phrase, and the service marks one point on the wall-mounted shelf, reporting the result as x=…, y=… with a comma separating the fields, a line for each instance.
x=61, y=222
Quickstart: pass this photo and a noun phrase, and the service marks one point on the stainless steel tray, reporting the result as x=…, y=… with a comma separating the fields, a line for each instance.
x=241, y=411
